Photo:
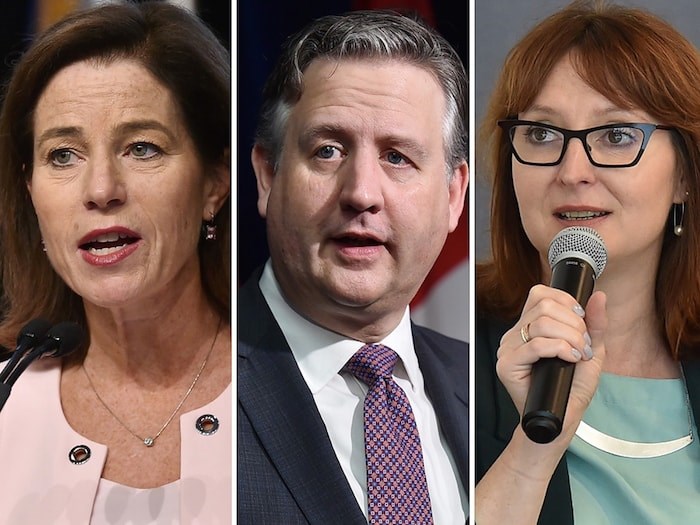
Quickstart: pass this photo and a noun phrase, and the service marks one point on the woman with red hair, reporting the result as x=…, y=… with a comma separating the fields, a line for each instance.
x=595, y=122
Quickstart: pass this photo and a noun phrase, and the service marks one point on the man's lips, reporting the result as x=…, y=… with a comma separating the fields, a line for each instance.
x=356, y=241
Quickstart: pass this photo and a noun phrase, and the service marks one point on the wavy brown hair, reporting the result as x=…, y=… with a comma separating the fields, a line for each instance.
x=636, y=60
x=185, y=56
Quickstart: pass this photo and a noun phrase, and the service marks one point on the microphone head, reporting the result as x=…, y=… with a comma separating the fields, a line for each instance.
x=33, y=332
x=62, y=339
x=581, y=243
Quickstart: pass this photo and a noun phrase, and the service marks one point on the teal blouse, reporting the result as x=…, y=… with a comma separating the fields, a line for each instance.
x=609, y=489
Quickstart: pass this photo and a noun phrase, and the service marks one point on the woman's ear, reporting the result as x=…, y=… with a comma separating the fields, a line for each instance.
x=219, y=186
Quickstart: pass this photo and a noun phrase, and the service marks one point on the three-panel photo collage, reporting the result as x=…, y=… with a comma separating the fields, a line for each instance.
x=454, y=246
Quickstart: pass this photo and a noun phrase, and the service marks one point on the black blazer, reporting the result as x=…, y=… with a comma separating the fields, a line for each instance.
x=287, y=469
x=497, y=418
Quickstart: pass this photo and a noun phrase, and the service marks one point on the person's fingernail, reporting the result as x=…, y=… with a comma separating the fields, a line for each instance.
x=588, y=352
x=587, y=338
x=579, y=310
x=576, y=354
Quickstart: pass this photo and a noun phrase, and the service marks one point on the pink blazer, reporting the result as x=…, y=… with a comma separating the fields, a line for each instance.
x=41, y=485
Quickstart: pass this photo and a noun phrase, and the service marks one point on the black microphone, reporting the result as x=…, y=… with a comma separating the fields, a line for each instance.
x=577, y=257
x=29, y=336
x=60, y=340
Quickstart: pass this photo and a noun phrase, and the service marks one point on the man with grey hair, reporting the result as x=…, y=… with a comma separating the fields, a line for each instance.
x=348, y=412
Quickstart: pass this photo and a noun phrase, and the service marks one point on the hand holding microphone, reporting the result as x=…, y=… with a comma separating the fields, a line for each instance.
x=577, y=256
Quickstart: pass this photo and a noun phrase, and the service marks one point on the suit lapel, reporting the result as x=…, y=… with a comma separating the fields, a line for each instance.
x=446, y=377
x=691, y=374
x=281, y=409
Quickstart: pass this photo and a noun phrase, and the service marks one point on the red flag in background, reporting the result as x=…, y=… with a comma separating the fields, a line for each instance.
x=442, y=303
x=423, y=7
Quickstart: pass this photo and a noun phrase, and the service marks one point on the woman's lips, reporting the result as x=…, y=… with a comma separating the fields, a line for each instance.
x=581, y=215
x=107, y=247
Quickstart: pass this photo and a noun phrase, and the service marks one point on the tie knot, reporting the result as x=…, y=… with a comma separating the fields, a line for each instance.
x=372, y=362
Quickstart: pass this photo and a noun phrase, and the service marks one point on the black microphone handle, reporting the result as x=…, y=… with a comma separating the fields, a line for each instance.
x=29, y=357
x=11, y=364
x=4, y=394
x=550, y=379
x=59, y=341
x=20, y=352
x=29, y=336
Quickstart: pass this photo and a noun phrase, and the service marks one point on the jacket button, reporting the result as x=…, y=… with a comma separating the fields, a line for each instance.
x=207, y=424
x=79, y=454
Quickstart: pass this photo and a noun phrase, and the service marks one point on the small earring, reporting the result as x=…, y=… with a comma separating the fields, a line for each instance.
x=210, y=229
x=43, y=246
x=678, y=222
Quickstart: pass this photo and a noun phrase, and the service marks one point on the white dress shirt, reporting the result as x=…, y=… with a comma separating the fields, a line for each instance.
x=320, y=355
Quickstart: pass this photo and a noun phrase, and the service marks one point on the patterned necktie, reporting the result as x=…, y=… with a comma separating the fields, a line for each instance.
x=397, y=491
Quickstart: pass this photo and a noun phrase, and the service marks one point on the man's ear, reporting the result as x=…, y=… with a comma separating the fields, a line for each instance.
x=457, y=192
x=265, y=174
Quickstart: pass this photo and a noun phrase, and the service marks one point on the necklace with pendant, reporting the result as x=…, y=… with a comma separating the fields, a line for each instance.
x=149, y=441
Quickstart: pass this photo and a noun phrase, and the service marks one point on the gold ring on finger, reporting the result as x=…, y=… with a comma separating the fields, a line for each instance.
x=525, y=333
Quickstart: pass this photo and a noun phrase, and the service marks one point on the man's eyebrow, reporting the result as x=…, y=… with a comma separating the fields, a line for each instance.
x=404, y=143
x=322, y=130
x=397, y=141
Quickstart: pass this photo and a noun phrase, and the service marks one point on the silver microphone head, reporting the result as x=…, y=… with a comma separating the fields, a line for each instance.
x=582, y=243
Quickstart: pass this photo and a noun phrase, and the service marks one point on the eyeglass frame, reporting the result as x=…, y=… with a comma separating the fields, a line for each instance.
x=647, y=130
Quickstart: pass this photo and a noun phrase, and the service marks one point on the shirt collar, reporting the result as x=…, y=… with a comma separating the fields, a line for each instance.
x=321, y=353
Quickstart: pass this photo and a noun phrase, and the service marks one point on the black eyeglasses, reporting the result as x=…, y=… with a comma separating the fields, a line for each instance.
x=609, y=146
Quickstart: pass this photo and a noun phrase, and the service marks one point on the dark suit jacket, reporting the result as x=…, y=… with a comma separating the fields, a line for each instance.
x=497, y=418
x=287, y=470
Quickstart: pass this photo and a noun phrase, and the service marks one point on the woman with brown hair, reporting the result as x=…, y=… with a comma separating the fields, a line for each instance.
x=115, y=177
x=594, y=122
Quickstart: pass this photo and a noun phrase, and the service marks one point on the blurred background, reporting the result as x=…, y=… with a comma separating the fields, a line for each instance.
x=22, y=19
